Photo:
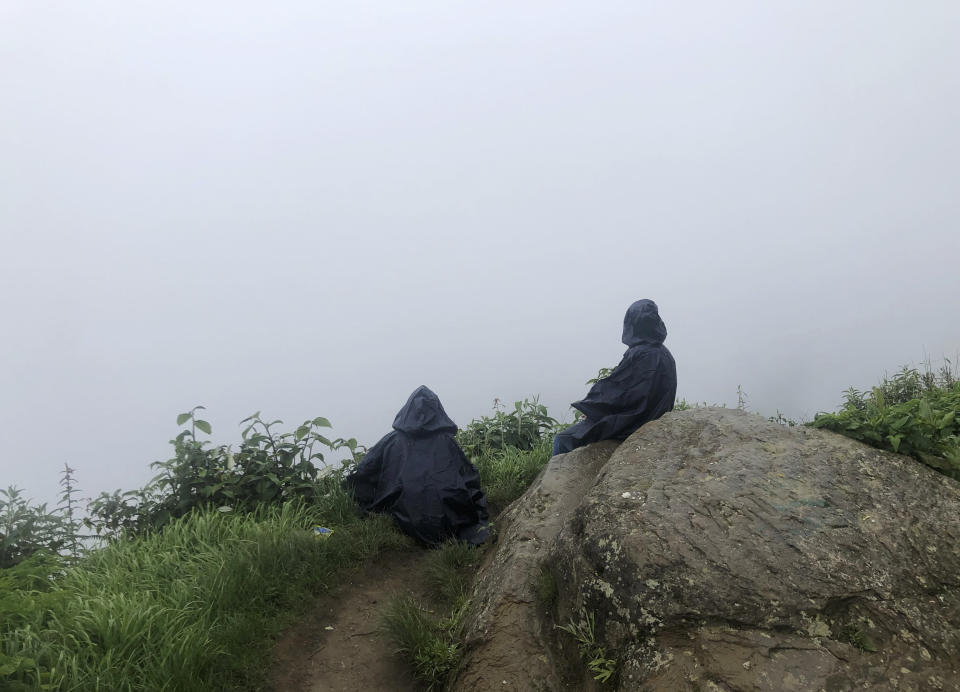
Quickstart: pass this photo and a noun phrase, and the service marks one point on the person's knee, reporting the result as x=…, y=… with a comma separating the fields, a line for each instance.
x=562, y=444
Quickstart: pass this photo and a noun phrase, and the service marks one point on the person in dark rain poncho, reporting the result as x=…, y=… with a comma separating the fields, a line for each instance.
x=640, y=389
x=419, y=475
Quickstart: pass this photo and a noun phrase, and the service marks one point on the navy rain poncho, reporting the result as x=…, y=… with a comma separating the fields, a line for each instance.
x=419, y=475
x=640, y=389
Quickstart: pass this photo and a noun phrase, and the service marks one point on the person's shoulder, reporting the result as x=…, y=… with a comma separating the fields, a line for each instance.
x=642, y=352
x=384, y=441
x=647, y=355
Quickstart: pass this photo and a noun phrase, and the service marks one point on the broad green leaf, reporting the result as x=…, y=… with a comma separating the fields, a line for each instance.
x=183, y=418
x=321, y=422
x=203, y=425
x=898, y=424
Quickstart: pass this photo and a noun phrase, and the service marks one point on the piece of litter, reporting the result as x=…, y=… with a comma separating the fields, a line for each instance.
x=328, y=628
x=321, y=532
x=626, y=495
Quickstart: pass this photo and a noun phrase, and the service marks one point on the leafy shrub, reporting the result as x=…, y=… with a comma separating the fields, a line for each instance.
x=268, y=468
x=26, y=529
x=522, y=428
x=912, y=413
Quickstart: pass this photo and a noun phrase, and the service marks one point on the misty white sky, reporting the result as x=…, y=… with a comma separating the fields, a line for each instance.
x=310, y=208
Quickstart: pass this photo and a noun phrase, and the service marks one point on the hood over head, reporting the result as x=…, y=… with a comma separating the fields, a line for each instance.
x=642, y=324
x=423, y=414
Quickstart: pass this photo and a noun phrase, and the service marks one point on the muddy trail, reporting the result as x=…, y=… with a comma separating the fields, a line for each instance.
x=338, y=646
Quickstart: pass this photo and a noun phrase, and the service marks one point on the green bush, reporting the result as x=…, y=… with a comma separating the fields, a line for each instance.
x=25, y=528
x=522, y=428
x=912, y=413
x=268, y=468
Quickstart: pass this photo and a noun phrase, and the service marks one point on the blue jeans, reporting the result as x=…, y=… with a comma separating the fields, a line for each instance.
x=570, y=438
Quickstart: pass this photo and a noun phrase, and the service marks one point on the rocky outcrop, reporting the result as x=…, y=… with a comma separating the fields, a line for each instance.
x=714, y=550
x=508, y=639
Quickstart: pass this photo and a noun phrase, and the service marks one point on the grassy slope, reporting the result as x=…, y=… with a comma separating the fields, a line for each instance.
x=194, y=605
x=188, y=608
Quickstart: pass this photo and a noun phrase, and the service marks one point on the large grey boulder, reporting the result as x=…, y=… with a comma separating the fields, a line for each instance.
x=717, y=551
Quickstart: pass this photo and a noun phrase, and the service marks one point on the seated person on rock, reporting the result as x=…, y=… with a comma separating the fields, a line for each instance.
x=640, y=389
x=419, y=475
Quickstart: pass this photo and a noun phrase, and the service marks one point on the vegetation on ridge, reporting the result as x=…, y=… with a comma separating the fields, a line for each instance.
x=179, y=585
x=913, y=413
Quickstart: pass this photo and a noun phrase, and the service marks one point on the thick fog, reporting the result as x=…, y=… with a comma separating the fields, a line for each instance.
x=310, y=208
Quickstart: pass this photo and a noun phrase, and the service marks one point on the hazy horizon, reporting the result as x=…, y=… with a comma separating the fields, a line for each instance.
x=312, y=209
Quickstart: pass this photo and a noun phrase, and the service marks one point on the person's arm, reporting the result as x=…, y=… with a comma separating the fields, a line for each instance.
x=618, y=391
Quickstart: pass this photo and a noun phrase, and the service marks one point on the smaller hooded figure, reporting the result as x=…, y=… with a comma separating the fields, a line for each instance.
x=419, y=475
x=640, y=389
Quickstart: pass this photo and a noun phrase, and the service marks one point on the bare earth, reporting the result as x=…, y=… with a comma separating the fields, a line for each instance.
x=353, y=655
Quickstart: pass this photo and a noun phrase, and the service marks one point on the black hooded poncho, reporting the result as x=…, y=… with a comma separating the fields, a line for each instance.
x=640, y=389
x=419, y=475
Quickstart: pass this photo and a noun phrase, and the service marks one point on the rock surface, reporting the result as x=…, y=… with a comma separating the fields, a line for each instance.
x=507, y=639
x=717, y=551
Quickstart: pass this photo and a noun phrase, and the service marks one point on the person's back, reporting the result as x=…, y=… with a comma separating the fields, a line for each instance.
x=641, y=388
x=419, y=475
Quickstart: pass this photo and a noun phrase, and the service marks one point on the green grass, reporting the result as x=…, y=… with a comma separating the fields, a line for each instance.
x=591, y=651
x=506, y=473
x=447, y=571
x=429, y=643
x=429, y=637
x=189, y=607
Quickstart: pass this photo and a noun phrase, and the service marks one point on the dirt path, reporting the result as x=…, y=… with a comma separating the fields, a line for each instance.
x=338, y=646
